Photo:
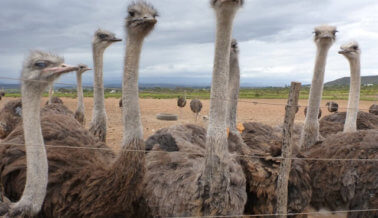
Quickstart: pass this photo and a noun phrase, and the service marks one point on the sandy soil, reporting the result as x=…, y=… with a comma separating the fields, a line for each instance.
x=247, y=111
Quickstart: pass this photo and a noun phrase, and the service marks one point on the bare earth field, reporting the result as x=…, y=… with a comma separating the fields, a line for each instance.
x=268, y=111
x=247, y=112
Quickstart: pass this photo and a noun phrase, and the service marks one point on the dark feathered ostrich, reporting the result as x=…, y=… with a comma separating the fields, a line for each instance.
x=196, y=107
x=101, y=40
x=120, y=103
x=10, y=116
x=319, y=113
x=39, y=70
x=89, y=183
x=260, y=140
x=202, y=178
x=2, y=94
x=54, y=100
x=373, y=109
x=352, y=120
x=332, y=107
x=181, y=102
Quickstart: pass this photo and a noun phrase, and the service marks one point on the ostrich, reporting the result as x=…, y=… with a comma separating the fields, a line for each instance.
x=319, y=113
x=332, y=107
x=373, y=109
x=102, y=39
x=262, y=173
x=120, y=103
x=202, y=178
x=196, y=106
x=2, y=94
x=353, y=119
x=45, y=68
x=324, y=37
x=346, y=185
x=89, y=183
x=79, y=113
x=10, y=116
x=54, y=100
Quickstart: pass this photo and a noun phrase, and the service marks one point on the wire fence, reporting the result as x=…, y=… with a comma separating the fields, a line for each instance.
x=259, y=156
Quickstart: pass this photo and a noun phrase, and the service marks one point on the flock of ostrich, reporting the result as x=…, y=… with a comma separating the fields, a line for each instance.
x=65, y=170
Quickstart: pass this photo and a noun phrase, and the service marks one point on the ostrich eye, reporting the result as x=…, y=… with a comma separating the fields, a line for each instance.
x=334, y=32
x=131, y=13
x=40, y=64
x=81, y=67
x=102, y=36
x=355, y=47
x=317, y=33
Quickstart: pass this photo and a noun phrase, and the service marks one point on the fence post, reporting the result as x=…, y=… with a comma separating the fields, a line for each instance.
x=283, y=177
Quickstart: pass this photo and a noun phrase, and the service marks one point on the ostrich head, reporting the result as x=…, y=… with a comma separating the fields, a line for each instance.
x=141, y=18
x=103, y=39
x=234, y=47
x=226, y=5
x=325, y=35
x=81, y=68
x=41, y=69
x=350, y=50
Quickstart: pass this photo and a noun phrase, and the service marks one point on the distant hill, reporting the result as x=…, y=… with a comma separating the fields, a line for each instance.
x=345, y=81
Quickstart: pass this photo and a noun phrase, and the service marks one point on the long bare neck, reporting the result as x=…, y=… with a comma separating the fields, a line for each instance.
x=36, y=158
x=98, y=89
x=80, y=95
x=51, y=92
x=354, y=96
x=310, y=132
x=216, y=132
x=130, y=96
x=233, y=91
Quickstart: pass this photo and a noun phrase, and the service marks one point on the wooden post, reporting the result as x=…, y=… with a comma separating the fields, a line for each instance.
x=283, y=177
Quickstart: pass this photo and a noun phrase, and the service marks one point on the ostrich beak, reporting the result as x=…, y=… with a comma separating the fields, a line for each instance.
x=63, y=68
x=342, y=52
x=115, y=40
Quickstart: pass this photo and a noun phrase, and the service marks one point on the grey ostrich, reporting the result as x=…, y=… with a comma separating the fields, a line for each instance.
x=202, y=178
x=10, y=116
x=39, y=70
x=332, y=107
x=181, y=101
x=102, y=39
x=196, y=107
x=373, y=109
x=260, y=140
x=352, y=120
x=79, y=113
x=324, y=37
x=89, y=183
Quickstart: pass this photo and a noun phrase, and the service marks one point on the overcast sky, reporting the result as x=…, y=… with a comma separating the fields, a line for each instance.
x=275, y=37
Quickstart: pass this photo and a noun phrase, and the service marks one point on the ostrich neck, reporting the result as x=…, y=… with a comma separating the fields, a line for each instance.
x=233, y=91
x=51, y=92
x=36, y=158
x=98, y=89
x=130, y=96
x=310, y=132
x=217, y=133
x=354, y=96
x=80, y=95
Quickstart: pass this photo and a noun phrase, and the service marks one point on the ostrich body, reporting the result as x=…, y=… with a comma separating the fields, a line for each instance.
x=79, y=113
x=203, y=178
x=2, y=94
x=10, y=116
x=354, y=184
x=332, y=107
x=196, y=106
x=373, y=109
x=319, y=113
x=181, y=101
x=120, y=103
x=324, y=38
x=45, y=68
x=89, y=183
x=352, y=52
x=102, y=39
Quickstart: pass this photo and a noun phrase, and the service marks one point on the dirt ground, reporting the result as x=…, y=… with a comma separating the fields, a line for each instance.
x=270, y=113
